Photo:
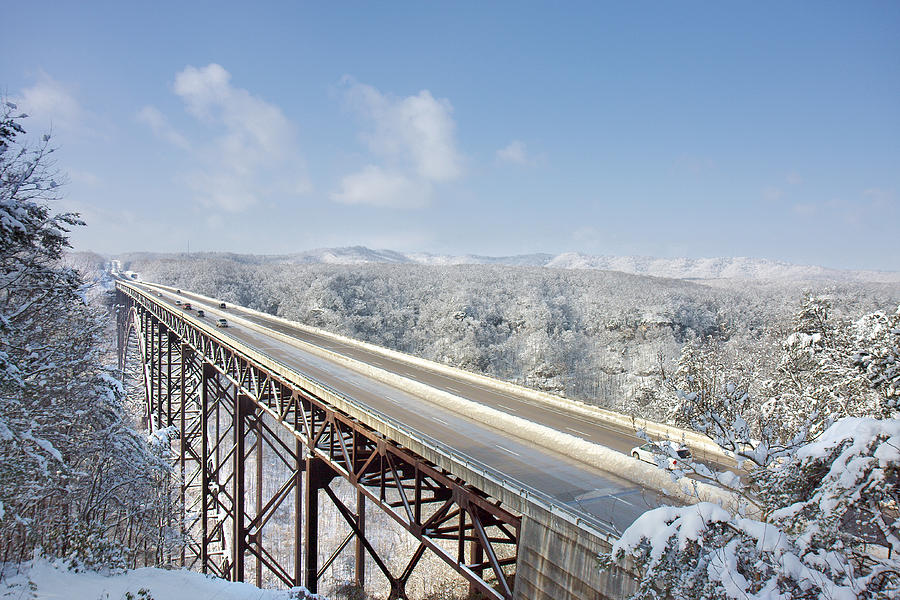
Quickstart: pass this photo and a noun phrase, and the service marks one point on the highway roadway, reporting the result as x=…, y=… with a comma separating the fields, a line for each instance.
x=582, y=487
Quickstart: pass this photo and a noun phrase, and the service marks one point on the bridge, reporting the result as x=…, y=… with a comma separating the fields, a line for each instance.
x=264, y=416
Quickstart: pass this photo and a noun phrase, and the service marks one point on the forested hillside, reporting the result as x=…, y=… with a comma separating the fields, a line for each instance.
x=77, y=480
x=604, y=337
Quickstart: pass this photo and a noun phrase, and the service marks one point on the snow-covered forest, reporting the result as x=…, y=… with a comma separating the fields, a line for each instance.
x=799, y=380
x=817, y=489
x=603, y=337
x=79, y=483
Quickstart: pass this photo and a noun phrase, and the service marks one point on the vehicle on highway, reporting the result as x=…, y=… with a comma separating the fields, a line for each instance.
x=221, y=323
x=221, y=305
x=187, y=306
x=666, y=450
x=177, y=291
x=159, y=294
x=200, y=313
x=177, y=302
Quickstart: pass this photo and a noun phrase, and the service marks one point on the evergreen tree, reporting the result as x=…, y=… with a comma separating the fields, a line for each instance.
x=71, y=467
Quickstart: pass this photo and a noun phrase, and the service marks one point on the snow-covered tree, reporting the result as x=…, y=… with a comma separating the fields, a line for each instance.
x=815, y=511
x=71, y=467
x=880, y=358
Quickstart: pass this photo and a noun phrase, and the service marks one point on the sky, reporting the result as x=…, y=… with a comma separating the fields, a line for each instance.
x=765, y=129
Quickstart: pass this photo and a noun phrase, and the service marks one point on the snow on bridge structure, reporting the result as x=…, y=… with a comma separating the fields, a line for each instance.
x=514, y=517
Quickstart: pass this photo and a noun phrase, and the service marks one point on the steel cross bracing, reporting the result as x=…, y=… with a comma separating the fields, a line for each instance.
x=253, y=451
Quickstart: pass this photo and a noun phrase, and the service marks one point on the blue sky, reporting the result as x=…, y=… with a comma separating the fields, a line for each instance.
x=664, y=129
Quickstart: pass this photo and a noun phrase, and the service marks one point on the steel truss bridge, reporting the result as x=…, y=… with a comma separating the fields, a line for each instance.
x=259, y=446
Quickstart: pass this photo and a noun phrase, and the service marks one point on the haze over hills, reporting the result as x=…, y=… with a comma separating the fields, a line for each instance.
x=675, y=268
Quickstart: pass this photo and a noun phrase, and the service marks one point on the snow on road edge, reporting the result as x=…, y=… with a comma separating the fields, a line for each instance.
x=684, y=489
x=661, y=430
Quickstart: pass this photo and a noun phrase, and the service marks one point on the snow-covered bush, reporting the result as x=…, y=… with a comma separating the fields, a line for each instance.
x=880, y=358
x=817, y=510
x=830, y=528
x=74, y=475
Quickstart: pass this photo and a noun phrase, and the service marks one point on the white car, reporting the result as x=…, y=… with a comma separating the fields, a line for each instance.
x=664, y=449
x=221, y=323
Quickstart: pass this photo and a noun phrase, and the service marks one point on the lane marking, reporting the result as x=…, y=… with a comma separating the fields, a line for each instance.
x=440, y=420
x=507, y=450
x=625, y=501
x=374, y=358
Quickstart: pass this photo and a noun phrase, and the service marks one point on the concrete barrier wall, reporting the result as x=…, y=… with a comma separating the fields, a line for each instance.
x=653, y=428
x=558, y=561
x=644, y=474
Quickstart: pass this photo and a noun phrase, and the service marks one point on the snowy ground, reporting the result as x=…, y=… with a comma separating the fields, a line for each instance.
x=43, y=580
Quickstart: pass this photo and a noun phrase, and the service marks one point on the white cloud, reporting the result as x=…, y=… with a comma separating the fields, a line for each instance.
x=150, y=115
x=418, y=130
x=221, y=189
x=54, y=105
x=515, y=153
x=693, y=164
x=253, y=153
x=879, y=198
x=414, y=139
x=773, y=194
x=805, y=209
x=85, y=178
x=376, y=187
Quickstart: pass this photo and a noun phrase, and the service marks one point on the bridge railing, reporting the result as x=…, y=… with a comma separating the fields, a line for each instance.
x=514, y=494
x=540, y=499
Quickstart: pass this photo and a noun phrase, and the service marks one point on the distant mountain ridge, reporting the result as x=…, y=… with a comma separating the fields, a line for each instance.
x=674, y=268
x=724, y=268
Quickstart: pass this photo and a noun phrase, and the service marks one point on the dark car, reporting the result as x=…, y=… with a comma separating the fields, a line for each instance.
x=221, y=305
x=200, y=313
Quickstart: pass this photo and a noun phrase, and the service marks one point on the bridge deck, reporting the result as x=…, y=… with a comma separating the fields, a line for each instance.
x=610, y=501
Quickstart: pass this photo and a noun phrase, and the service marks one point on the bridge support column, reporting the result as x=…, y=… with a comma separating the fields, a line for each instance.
x=209, y=374
x=318, y=476
x=299, y=467
x=258, y=485
x=476, y=555
x=183, y=445
x=239, y=543
x=360, y=580
x=172, y=348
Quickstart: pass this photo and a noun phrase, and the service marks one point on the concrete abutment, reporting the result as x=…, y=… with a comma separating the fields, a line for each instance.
x=557, y=560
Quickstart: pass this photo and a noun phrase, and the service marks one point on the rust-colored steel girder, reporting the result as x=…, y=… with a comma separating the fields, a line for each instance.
x=232, y=414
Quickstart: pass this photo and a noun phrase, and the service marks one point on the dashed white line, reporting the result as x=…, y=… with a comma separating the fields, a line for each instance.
x=507, y=450
x=625, y=501
x=439, y=420
x=505, y=407
x=578, y=432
